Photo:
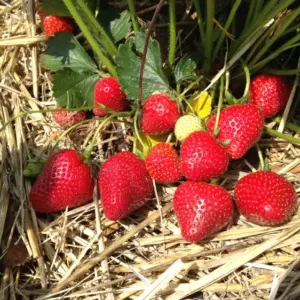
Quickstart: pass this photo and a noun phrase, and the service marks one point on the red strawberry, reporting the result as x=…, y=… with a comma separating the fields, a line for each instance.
x=54, y=24
x=64, y=181
x=69, y=118
x=202, y=157
x=124, y=185
x=265, y=198
x=201, y=209
x=162, y=164
x=159, y=114
x=269, y=92
x=108, y=92
x=241, y=125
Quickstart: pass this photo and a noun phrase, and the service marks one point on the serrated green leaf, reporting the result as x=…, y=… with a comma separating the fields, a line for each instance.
x=58, y=8
x=153, y=54
x=128, y=69
x=185, y=68
x=120, y=27
x=72, y=89
x=116, y=22
x=54, y=7
x=64, y=51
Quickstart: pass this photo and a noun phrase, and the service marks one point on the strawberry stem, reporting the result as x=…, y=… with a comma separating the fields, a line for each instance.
x=93, y=142
x=136, y=130
x=108, y=44
x=248, y=79
x=289, y=125
x=116, y=115
x=172, y=30
x=260, y=156
x=281, y=72
x=283, y=136
x=88, y=35
x=220, y=102
x=131, y=4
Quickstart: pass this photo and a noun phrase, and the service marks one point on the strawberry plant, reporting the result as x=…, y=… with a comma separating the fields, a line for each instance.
x=183, y=112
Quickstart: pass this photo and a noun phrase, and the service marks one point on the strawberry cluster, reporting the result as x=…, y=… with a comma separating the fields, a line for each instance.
x=125, y=181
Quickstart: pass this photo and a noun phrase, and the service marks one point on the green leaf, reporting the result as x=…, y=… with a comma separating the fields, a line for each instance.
x=64, y=51
x=54, y=7
x=129, y=64
x=185, y=68
x=34, y=168
x=153, y=58
x=116, y=22
x=58, y=8
x=72, y=89
x=120, y=27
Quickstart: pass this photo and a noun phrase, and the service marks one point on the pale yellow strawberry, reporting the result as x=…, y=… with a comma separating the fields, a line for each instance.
x=186, y=125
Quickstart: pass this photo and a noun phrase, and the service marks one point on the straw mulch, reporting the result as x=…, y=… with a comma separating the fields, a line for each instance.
x=144, y=256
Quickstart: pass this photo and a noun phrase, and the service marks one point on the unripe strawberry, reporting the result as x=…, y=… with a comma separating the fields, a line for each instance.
x=186, y=125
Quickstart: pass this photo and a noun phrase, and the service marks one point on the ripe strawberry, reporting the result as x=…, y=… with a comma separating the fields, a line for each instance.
x=265, y=198
x=124, y=185
x=186, y=125
x=202, y=157
x=162, y=164
x=108, y=92
x=68, y=118
x=269, y=92
x=201, y=209
x=54, y=24
x=241, y=125
x=64, y=181
x=159, y=114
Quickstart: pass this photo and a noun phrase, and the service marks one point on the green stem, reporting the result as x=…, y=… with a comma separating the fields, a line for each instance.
x=105, y=40
x=93, y=142
x=136, y=130
x=126, y=114
x=135, y=23
x=227, y=25
x=220, y=102
x=283, y=136
x=282, y=72
x=200, y=21
x=260, y=156
x=288, y=125
x=172, y=29
x=209, y=33
x=88, y=35
x=248, y=79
